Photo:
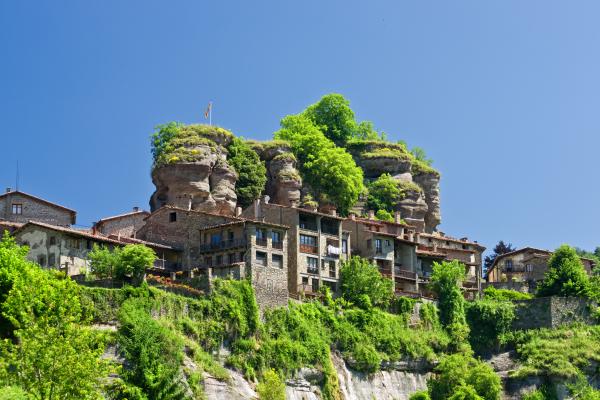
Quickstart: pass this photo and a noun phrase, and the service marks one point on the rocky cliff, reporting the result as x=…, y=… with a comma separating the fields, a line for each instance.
x=194, y=173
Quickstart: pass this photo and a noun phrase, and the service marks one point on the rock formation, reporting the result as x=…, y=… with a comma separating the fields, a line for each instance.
x=194, y=173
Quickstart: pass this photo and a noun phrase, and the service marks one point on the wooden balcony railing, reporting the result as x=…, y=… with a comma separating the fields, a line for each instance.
x=309, y=248
x=261, y=242
x=223, y=245
x=277, y=245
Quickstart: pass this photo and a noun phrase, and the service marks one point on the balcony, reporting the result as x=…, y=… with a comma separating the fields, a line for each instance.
x=309, y=248
x=261, y=242
x=404, y=274
x=313, y=271
x=277, y=245
x=332, y=251
x=223, y=245
x=385, y=271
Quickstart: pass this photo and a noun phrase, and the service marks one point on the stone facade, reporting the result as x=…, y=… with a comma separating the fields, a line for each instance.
x=551, y=312
x=525, y=265
x=125, y=225
x=59, y=248
x=21, y=207
x=316, y=245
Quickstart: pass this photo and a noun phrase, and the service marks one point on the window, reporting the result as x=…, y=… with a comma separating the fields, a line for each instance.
x=378, y=247
x=261, y=258
x=208, y=261
x=242, y=256
x=332, y=269
x=330, y=226
x=276, y=236
x=52, y=241
x=308, y=244
x=219, y=259
x=315, y=285
x=173, y=217
x=312, y=265
x=74, y=243
x=529, y=268
x=229, y=235
x=41, y=260
x=305, y=280
x=344, y=246
x=89, y=244
x=261, y=237
x=232, y=258
x=17, y=209
x=51, y=260
x=387, y=243
x=277, y=260
x=308, y=222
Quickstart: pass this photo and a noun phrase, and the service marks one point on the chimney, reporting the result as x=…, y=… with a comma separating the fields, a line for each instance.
x=256, y=209
x=352, y=216
x=8, y=190
x=333, y=212
x=266, y=199
x=136, y=209
x=94, y=228
x=397, y=217
x=371, y=214
x=238, y=211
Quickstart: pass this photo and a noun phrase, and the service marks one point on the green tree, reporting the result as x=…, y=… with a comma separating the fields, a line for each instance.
x=420, y=155
x=54, y=356
x=328, y=170
x=446, y=282
x=384, y=193
x=488, y=321
x=363, y=285
x=161, y=139
x=103, y=261
x=251, y=171
x=133, y=260
x=12, y=393
x=565, y=276
x=383, y=215
x=334, y=117
x=271, y=387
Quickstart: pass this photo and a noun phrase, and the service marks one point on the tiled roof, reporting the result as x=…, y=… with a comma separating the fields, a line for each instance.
x=431, y=253
x=304, y=210
x=170, y=207
x=129, y=214
x=70, y=231
x=450, y=239
x=243, y=221
x=38, y=199
x=130, y=240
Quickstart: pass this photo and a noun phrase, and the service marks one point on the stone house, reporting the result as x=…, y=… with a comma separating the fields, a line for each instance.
x=124, y=225
x=20, y=207
x=439, y=247
x=67, y=249
x=527, y=264
x=248, y=249
x=316, y=244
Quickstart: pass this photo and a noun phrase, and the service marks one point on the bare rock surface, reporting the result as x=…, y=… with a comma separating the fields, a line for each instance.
x=431, y=189
x=413, y=208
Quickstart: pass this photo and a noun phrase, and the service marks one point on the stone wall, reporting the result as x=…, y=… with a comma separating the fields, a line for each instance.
x=34, y=210
x=551, y=312
x=124, y=226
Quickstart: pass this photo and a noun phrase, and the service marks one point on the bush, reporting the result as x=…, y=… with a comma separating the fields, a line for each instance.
x=491, y=293
x=383, y=215
x=251, y=171
x=271, y=387
x=446, y=282
x=423, y=395
x=462, y=376
x=488, y=321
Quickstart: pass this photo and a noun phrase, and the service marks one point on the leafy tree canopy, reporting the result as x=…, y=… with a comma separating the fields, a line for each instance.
x=363, y=285
x=252, y=174
x=565, y=275
x=130, y=261
x=329, y=170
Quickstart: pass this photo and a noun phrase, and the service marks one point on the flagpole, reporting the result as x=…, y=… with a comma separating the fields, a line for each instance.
x=210, y=114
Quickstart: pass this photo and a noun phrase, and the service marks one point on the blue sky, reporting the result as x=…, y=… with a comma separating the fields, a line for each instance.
x=503, y=95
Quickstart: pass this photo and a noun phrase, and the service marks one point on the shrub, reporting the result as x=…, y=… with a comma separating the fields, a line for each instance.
x=383, y=215
x=491, y=293
x=133, y=260
x=462, y=376
x=271, y=387
x=423, y=395
x=488, y=321
x=251, y=171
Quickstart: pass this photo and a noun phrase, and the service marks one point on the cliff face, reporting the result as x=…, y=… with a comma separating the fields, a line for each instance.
x=196, y=174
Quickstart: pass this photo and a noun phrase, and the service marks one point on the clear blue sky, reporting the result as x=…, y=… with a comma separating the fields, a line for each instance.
x=503, y=95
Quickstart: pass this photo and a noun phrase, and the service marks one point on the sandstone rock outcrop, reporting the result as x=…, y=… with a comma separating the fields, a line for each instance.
x=283, y=178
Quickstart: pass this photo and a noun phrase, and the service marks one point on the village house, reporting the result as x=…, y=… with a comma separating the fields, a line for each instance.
x=316, y=244
x=124, y=225
x=20, y=207
x=221, y=246
x=67, y=249
x=528, y=265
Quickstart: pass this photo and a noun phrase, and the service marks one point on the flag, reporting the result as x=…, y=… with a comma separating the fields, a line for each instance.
x=208, y=110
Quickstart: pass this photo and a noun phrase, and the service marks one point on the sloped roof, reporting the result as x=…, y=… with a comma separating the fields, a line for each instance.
x=37, y=199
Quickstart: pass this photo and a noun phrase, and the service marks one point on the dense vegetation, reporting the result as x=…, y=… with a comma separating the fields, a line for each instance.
x=251, y=171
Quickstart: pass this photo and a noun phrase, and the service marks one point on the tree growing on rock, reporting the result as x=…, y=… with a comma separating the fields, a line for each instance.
x=384, y=193
x=499, y=249
x=252, y=174
x=565, y=276
x=363, y=285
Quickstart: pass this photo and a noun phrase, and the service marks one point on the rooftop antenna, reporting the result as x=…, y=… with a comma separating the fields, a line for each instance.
x=17, y=178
